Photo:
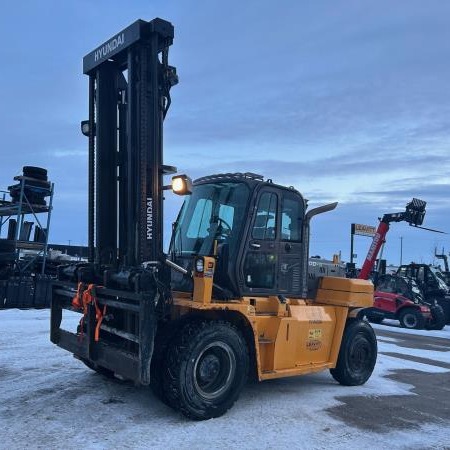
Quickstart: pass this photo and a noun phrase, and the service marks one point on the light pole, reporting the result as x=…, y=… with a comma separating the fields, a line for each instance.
x=401, y=250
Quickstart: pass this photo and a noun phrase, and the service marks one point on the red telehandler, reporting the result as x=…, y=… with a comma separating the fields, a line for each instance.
x=389, y=300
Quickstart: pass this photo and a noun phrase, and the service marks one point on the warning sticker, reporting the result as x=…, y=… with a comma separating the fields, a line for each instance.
x=314, y=339
x=315, y=333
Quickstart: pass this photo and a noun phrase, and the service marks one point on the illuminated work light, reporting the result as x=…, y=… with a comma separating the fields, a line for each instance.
x=199, y=265
x=181, y=185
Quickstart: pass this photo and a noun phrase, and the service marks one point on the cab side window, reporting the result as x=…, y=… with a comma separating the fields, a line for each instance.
x=401, y=288
x=265, y=223
x=291, y=219
x=260, y=263
x=386, y=284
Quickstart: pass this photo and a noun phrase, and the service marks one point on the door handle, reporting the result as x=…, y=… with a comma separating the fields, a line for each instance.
x=288, y=247
x=255, y=245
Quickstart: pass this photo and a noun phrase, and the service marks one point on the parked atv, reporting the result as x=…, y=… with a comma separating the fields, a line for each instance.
x=400, y=298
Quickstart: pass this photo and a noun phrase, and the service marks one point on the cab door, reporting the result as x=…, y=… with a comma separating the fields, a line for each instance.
x=260, y=259
x=272, y=258
x=290, y=243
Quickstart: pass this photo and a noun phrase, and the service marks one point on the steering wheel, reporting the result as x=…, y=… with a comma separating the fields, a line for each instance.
x=224, y=228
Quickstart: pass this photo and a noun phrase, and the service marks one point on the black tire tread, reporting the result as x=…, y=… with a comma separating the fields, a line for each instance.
x=444, y=303
x=179, y=353
x=342, y=373
x=35, y=172
x=439, y=320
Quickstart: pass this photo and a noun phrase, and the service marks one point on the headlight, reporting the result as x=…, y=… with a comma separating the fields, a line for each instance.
x=181, y=185
x=199, y=265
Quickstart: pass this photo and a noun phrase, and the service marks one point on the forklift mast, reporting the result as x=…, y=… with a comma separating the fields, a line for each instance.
x=129, y=84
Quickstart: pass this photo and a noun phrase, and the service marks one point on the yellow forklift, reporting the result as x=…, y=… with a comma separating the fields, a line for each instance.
x=232, y=298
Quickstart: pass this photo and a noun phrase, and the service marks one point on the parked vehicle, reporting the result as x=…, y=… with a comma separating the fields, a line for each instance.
x=400, y=298
x=433, y=287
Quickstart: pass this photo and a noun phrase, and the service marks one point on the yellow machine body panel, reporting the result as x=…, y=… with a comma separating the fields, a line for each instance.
x=345, y=292
x=291, y=338
x=306, y=340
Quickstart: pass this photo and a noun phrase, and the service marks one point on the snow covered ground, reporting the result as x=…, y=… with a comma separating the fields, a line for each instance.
x=49, y=400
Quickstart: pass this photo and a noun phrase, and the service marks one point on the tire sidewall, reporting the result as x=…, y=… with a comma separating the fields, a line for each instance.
x=419, y=321
x=357, y=333
x=192, y=403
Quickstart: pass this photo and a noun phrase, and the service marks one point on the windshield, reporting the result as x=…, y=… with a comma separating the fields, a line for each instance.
x=439, y=277
x=405, y=286
x=214, y=214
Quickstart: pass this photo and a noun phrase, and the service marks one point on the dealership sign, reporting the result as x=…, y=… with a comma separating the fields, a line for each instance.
x=363, y=230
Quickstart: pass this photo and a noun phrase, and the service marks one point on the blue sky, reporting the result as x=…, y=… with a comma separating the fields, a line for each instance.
x=346, y=101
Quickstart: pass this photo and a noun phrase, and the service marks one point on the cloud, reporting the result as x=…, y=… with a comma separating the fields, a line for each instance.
x=69, y=153
x=345, y=101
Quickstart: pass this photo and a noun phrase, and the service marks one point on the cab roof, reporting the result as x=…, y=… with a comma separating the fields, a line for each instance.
x=252, y=179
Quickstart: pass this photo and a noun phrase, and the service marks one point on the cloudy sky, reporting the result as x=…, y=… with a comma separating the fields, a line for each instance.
x=347, y=101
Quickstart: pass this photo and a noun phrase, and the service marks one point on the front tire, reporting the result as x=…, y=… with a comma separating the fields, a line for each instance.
x=205, y=370
x=357, y=356
x=444, y=303
x=412, y=319
x=438, y=320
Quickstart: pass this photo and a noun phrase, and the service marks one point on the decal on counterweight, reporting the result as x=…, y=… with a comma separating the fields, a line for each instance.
x=314, y=339
x=315, y=333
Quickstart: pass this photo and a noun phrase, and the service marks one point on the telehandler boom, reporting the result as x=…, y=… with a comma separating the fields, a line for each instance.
x=414, y=214
x=231, y=298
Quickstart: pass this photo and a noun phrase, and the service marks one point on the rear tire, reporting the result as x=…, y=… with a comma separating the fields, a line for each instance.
x=205, y=369
x=412, y=319
x=357, y=356
x=438, y=319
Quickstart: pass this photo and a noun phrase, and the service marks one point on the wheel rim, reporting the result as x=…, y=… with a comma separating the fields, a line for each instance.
x=214, y=370
x=359, y=354
x=410, y=320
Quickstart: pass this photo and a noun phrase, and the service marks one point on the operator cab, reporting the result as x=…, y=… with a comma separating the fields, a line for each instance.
x=254, y=227
x=402, y=285
x=426, y=277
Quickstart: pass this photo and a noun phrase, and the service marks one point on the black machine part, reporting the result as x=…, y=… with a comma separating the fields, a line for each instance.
x=130, y=81
x=129, y=96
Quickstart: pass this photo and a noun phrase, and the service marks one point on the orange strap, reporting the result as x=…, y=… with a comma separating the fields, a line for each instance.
x=83, y=298
x=77, y=301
